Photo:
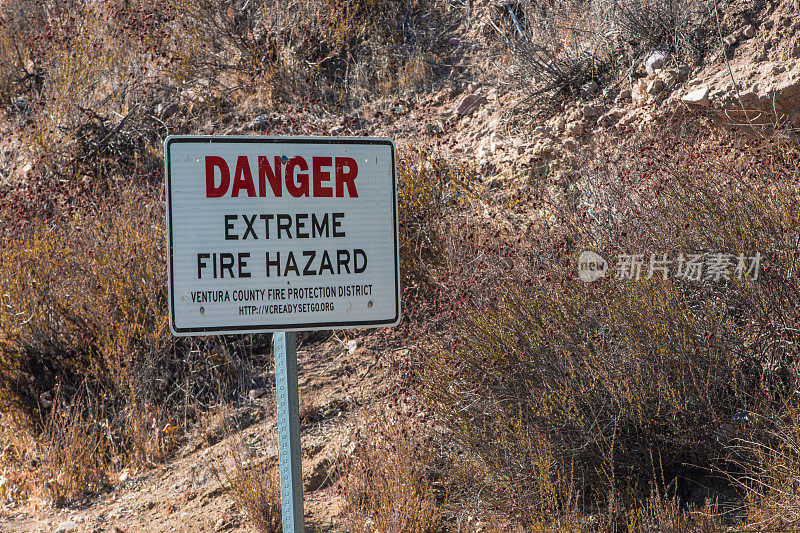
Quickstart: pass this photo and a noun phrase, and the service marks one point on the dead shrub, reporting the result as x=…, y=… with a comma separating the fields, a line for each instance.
x=560, y=47
x=430, y=191
x=678, y=27
x=94, y=87
x=571, y=397
x=72, y=458
x=557, y=48
x=571, y=382
x=407, y=38
x=255, y=485
x=82, y=69
x=388, y=482
x=331, y=51
x=20, y=76
x=84, y=313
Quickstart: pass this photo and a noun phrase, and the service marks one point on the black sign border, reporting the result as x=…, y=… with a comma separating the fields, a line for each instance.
x=223, y=330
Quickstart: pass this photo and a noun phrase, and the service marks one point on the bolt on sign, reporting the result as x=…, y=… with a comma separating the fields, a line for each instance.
x=281, y=234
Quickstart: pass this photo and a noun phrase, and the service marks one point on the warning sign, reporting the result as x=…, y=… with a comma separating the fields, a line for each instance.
x=280, y=234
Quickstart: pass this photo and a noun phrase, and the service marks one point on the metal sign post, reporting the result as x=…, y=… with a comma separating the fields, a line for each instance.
x=285, y=346
x=281, y=234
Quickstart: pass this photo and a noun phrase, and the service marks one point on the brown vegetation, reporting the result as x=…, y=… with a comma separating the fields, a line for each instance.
x=572, y=398
x=255, y=485
x=527, y=399
x=388, y=481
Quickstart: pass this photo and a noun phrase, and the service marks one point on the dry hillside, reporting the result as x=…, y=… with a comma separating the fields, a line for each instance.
x=514, y=396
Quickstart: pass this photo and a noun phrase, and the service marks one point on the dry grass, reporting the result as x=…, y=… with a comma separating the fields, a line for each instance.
x=84, y=318
x=430, y=190
x=81, y=67
x=560, y=46
x=570, y=402
x=88, y=82
x=254, y=484
x=309, y=411
x=561, y=406
x=387, y=481
x=771, y=480
x=72, y=455
x=308, y=50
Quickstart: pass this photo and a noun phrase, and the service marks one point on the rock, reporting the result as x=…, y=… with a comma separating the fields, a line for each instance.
x=730, y=40
x=192, y=96
x=655, y=86
x=495, y=182
x=748, y=31
x=639, y=92
x=623, y=96
x=575, y=128
x=496, y=142
x=543, y=147
x=655, y=61
x=669, y=77
x=590, y=88
x=570, y=145
x=590, y=110
x=20, y=103
x=45, y=398
x=698, y=97
x=255, y=394
x=629, y=119
x=260, y=123
x=526, y=160
x=63, y=527
x=399, y=108
x=559, y=125
x=168, y=111
x=315, y=475
x=469, y=103
x=610, y=118
x=352, y=346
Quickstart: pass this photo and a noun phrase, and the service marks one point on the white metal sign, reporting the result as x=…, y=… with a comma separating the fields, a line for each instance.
x=281, y=234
